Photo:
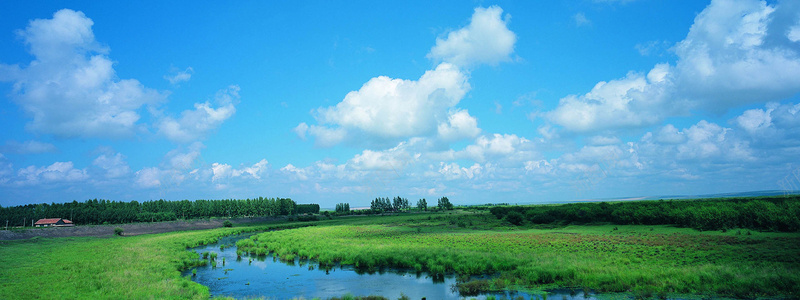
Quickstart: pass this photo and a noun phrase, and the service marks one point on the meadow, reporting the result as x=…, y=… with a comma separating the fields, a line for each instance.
x=651, y=260
x=486, y=252
x=114, y=267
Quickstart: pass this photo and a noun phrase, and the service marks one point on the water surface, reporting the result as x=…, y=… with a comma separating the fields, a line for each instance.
x=255, y=277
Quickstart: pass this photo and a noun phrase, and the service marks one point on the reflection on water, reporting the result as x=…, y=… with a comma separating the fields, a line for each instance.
x=255, y=277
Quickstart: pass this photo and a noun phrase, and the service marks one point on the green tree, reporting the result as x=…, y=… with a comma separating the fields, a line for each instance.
x=444, y=204
x=422, y=204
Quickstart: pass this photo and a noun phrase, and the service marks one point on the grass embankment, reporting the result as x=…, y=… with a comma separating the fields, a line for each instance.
x=136, y=267
x=645, y=260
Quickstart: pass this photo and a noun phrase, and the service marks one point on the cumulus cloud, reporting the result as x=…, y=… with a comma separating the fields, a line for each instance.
x=726, y=61
x=225, y=171
x=391, y=159
x=736, y=52
x=27, y=147
x=704, y=141
x=486, y=40
x=459, y=125
x=386, y=108
x=633, y=101
x=297, y=173
x=195, y=124
x=509, y=146
x=70, y=89
x=774, y=126
x=58, y=172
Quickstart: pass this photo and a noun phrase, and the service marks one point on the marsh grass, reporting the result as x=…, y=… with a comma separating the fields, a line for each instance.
x=131, y=267
x=652, y=260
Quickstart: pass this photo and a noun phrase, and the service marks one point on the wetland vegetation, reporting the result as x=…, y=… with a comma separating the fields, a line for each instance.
x=486, y=251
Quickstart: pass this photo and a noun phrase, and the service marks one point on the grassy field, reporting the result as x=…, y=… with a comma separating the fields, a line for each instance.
x=643, y=260
x=135, y=267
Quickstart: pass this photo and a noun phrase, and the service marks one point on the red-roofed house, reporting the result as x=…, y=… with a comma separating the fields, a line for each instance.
x=55, y=222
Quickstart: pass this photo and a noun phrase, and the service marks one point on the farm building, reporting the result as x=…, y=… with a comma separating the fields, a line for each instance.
x=55, y=222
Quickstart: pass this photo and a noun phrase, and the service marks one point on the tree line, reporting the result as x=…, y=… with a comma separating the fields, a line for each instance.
x=106, y=211
x=770, y=213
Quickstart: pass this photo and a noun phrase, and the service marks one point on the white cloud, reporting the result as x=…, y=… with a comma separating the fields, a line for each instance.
x=386, y=108
x=633, y=101
x=115, y=165
x=297, y=173
x=180, y=76
x=327, y=137
x=183, y=159
x=754, y=120
x=195, y=124
x=581, y=20
x=704, y=141
x=725, y=60
x=28, y=147
x=794, y=33
x=509, y=146
x=221, y=171
x=538, y=166
x=55, y=173
x=301, y=130
x=391, y=159
x=652, y=47
x=453, y=171
x=670, y=135
x=149, y=177
x=225, y=171
x=459, y=125
x=486, y=40
x=599, y=140
x=70, y=89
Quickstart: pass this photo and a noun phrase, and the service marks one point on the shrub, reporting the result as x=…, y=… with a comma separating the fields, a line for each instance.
x=227, y=223
x=118, y=231
x=514, y=217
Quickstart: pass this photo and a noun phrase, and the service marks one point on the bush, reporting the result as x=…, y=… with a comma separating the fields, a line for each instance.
x=514, y=217
x=227, y=223
x=118, y=231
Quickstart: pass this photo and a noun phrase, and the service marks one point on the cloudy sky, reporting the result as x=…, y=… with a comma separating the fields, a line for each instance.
x=330, y=101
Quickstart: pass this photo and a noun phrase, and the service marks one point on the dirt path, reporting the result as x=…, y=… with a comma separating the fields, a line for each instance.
x=129, y=229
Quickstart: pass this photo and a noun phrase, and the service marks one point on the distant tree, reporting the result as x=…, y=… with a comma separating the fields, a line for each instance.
x=343, y=208
x=422, y=204
x=444, y=204
x=399, y=204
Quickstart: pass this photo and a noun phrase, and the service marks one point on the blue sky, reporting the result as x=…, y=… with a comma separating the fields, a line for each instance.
x=329, y=102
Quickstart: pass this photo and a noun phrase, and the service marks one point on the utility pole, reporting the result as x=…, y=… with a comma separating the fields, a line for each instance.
x=6, y=224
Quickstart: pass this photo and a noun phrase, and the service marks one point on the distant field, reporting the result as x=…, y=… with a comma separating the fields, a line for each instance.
x=642, y=260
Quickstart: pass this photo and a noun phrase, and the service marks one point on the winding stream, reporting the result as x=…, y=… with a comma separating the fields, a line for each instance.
x=255, y=277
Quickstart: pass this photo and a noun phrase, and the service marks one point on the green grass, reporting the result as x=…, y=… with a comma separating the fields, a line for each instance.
x=134, y=267
x=640, y=259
